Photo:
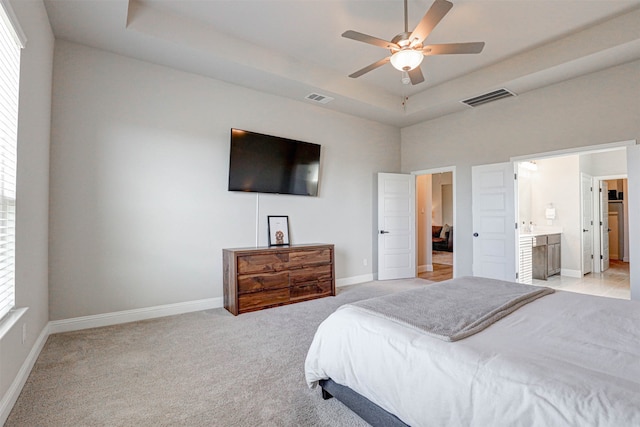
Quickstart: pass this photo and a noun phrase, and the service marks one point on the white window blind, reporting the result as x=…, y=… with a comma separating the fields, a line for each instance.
x=9, y=83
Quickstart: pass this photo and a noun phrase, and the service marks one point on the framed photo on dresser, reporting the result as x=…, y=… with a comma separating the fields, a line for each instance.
x=278, y=230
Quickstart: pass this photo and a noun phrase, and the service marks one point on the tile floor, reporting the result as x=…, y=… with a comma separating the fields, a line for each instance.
x=613, y=283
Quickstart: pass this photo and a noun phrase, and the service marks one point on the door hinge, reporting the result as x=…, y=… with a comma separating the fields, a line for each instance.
x=515, y=176
x=516, y=275
x=591, y=256
x=516, y=225
x=601, y=257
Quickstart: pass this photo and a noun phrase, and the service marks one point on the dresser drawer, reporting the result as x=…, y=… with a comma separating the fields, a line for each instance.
x=261, y=263
x=298, y=259
x=309, y=274
x=310, y=289
x=257, y=300
x=257, y=282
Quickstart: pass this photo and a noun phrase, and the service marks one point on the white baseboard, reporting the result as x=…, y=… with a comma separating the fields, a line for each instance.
x=571, y=273
x=354, y=280
x=116, y=318
x=11, y=396
x=423, y=268
x=107, y=319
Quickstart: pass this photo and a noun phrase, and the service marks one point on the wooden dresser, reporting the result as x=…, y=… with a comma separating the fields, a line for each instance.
x=257, y=278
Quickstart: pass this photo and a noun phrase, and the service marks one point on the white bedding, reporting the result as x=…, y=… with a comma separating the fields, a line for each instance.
x=564, y=359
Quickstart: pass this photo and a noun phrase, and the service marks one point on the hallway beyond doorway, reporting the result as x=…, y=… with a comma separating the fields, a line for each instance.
x=442, y=267
x=440, y=273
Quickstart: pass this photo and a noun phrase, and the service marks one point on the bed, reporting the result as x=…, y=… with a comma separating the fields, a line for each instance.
x=561, y=359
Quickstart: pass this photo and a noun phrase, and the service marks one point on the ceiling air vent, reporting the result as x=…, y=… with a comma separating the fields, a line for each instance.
x=316, y=97
x=488, y=97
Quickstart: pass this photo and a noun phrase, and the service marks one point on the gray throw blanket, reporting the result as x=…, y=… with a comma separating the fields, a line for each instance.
x=454, y=309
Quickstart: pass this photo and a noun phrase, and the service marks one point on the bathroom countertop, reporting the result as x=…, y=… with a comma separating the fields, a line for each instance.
x=542, y=231
x=535, y=234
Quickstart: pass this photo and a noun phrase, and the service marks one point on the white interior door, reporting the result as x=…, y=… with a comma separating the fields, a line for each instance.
x=633, y=213
x=396, y=226
x=614, y=236
x=604, y=226
x=587, y=223
x=493, y=207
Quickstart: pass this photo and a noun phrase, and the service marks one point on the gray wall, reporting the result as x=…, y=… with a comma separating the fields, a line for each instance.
x=140, y=210
x=594, y=109
x=33, y=193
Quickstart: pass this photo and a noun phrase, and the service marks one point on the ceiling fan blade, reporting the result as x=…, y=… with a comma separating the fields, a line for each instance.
x=370, y=67
x=354, y=35
x=453, y=48
x=434, y=15
x=416, y=76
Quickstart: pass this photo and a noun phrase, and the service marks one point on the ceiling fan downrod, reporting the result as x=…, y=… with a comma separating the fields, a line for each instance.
x=406, y=17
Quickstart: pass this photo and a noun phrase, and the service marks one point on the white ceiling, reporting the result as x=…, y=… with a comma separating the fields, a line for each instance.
x=293, y=48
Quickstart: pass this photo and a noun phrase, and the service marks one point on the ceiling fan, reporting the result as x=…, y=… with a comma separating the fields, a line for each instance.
x=407, y=50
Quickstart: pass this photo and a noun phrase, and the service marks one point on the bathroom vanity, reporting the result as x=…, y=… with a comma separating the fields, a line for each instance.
x=545, y=255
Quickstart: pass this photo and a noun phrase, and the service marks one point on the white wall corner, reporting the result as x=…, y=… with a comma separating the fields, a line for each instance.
x=424, y=268
x=11, y=396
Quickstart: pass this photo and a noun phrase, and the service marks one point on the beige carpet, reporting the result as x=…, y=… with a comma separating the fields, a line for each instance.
x=199, y=369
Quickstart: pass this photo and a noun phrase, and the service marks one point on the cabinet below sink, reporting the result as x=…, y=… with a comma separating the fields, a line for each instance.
x=546, y=255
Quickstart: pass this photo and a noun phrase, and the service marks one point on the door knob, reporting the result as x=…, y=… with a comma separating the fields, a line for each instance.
x=584, y=231
x=475, y=234
x=384, y=232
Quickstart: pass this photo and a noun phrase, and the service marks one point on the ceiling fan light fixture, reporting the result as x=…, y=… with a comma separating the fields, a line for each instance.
x=406, y=59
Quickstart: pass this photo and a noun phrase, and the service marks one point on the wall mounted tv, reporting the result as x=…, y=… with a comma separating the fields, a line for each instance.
x=270, y=164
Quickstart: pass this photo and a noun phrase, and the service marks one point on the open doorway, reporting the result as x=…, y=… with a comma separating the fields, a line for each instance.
x=563, y=223
x=615, y=219
x=435, y=225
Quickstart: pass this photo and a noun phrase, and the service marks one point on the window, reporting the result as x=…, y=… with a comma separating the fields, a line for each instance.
x=10, y=46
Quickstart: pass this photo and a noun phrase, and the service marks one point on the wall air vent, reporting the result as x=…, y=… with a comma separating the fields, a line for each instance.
x=488, y=97
x=316, y=97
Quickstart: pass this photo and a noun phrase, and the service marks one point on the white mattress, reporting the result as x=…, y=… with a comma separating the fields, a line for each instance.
x=565, y=359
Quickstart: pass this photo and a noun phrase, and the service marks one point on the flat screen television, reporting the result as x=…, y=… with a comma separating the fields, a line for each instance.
x=270, y=164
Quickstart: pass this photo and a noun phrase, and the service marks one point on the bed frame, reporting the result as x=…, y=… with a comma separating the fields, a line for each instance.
x=366, y=409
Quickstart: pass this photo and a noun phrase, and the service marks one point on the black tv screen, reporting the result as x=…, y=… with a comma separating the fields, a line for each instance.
x=270, y=164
